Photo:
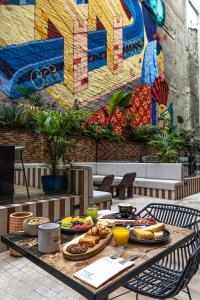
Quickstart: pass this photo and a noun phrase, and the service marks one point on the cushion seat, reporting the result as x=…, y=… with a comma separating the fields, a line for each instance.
x=99, y=197
x=144, y=182
x=157, y=183
x=97, y=179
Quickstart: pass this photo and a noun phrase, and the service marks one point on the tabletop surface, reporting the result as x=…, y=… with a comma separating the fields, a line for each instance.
x=64, y=269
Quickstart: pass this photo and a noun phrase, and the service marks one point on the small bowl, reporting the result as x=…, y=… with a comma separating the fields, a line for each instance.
x=32, y=229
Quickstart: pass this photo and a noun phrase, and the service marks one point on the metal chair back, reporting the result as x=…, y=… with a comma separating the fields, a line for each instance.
x=175, y=215
x=177, y=268
x=187, y=260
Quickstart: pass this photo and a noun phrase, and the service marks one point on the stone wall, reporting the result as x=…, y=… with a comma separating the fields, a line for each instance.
x=181, y=67
x=85, y=149
x=193, y=79
x=176, y=56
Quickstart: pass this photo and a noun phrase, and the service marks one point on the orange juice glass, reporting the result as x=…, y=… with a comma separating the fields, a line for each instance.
x=121, y=235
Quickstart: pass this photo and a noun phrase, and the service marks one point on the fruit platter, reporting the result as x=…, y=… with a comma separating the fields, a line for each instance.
x=88, y=244
x=76, y=224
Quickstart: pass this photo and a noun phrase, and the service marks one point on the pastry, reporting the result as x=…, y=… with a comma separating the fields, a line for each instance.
x=90, y=242
x=98, y=230
x=95, y=238
x=155, y=228
x=77, y=249
x=103, y=233
x=92, y=231
x=158, y=235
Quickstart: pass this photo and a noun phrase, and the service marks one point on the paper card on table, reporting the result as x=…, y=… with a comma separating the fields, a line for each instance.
x=102, y=270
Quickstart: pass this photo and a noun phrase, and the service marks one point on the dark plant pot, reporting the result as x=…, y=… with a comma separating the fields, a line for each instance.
x=53, y=185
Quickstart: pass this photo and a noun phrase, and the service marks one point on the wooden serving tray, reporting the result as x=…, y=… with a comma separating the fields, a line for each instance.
x=91, y=250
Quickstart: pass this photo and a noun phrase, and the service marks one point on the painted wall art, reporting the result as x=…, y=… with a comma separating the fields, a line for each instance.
x=83, y=50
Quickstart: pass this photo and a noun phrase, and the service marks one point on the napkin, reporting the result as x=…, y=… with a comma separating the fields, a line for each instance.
x=102, y=270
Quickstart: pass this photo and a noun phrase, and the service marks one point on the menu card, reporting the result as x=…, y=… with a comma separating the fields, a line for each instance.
x=102, y=270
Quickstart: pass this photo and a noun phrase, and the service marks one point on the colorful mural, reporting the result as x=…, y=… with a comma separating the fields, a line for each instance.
x=83, y=49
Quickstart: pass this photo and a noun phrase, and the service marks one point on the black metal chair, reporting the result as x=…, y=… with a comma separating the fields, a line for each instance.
x=125, y=183
x=105, y=186
x=172, y=274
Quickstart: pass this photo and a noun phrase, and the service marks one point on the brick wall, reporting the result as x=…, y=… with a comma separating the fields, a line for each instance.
x=18, y=137
x=85, y=150
x=109, y=150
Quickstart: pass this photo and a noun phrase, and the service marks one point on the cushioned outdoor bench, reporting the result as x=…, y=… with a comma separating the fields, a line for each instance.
x=161, y=180
x=152, y=179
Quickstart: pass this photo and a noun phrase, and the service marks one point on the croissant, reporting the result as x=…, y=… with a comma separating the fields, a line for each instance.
x=103, y=233
x=87, y=241
x=95, y=238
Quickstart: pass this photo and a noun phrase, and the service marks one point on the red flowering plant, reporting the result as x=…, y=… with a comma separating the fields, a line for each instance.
x=123, y=111
x=109, y=121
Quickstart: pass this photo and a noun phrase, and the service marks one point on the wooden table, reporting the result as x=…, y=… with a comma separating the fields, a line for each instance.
x=64, y=269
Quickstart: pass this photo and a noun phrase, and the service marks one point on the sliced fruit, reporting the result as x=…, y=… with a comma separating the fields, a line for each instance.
x=143, y=235
x=155, y=228
x=67, y=220
x=158, y=235
x=88, y=220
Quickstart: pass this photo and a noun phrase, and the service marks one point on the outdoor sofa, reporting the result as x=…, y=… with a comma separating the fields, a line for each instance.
x=158, y=180
x=161, y=180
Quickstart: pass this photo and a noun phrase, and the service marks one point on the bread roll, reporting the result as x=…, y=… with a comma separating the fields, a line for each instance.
x=155, y=228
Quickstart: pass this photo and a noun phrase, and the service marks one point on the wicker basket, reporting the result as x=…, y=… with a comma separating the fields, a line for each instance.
x=16, y=224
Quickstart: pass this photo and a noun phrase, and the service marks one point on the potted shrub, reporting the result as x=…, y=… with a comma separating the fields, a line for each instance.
x=55, y=183
x=51, y=125
x=167, y=145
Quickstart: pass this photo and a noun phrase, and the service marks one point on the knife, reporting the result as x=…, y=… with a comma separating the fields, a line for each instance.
x=130, y=258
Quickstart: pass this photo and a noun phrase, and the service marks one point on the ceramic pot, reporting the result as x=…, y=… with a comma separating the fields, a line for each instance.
x=49, y=238
x=53, y=185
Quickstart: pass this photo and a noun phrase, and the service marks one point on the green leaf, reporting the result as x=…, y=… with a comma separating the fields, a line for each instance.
x=115, y=99
x=125, y=100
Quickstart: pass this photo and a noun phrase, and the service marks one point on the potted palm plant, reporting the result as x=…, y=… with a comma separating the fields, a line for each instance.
x=51, y=126
x=167, y=145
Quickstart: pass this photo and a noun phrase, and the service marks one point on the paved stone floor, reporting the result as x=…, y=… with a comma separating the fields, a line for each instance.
x=22, y=280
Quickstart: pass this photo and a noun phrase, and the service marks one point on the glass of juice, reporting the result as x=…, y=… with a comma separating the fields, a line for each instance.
x=92, y=211
x=121, y=235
